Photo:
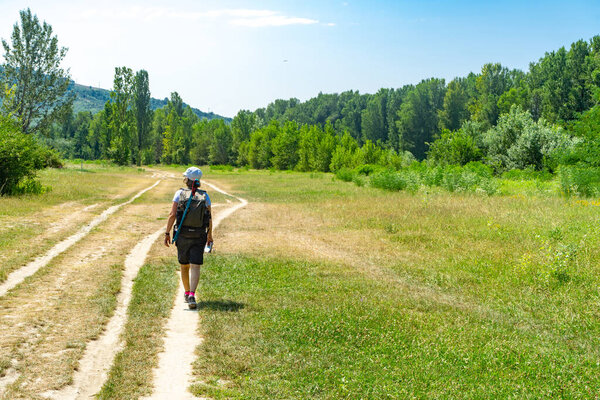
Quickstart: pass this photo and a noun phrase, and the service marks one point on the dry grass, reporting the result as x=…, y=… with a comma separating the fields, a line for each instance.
x=48, y=319
x=30, y=225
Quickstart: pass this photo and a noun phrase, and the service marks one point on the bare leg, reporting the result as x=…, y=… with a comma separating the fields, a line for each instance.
x=195, y=276
x=185, y=277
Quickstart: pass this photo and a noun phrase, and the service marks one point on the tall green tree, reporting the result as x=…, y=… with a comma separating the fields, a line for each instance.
x=418, y=116
x=220, y=147
x=242, y=126
x=493, y=81
x=142, y=111
x=32, y=65
x=122, y=120
x=374, y=118
x=455, y=109
x=285, y=147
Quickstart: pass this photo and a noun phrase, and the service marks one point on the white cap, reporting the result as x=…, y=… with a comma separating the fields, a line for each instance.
x=193, y=173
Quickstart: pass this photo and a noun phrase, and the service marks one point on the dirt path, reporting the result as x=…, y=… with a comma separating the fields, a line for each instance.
x=173, y=375
x=47, y=320
x=99, y=354
x=21, y=274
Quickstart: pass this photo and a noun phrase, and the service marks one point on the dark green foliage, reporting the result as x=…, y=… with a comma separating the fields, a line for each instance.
x=176, y=130
x=374, y=118
x=587, y=130
x=142, y=112
x=456, y=100
x=220, y=146
x=20, y=157
x=493, y=81
x=242, y=126
x=122, y=123
x=497, y=115
x=259, y=147
x=454, y=148
x=418, y=120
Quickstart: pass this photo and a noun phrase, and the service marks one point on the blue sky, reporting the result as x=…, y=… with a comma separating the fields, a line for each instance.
x=224, y=56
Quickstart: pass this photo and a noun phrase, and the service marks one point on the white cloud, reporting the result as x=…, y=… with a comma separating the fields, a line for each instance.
x=273, y=20
x=235, y=16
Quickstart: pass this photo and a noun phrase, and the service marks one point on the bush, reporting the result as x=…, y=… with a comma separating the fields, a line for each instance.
x=454, y=148
x=367, y=169
x=219, y=167
x=20, y=157
x=50, y=158
x=358, y=180
x=579, y=180
x=480, y=169
x=388, y=180
x=473, y=177
x=517, y=141
x=527, y=174
x=30, y=185
x=345, y=174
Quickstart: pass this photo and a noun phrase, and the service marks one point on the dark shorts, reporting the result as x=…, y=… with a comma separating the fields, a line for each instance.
x=191, y=250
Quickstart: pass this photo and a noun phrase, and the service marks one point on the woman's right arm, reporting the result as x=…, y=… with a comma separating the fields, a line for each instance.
x=170, y=222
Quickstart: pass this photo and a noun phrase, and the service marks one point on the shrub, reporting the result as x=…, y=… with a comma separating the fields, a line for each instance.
x=220, y=167
x=474, y=177
x=345, y=174
x=454, y=148
x=367, y=169
x=579, y=180
x=358, y=180
x=50, y=158
x=527, y=174
x=20, y=157
x=519, y=142
x=31, y=186
x=388, y=180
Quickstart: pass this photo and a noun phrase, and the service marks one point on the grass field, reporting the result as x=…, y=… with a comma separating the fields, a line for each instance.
x=328, y=290
x=323, y=289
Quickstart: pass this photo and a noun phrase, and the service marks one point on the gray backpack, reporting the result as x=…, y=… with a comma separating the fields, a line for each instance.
x=197, y=217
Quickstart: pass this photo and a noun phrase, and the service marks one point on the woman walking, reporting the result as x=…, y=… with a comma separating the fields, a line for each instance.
x=191, y=209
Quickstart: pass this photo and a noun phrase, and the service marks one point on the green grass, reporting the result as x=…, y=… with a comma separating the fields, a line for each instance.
x=105, y=297
x=131, y=374
x=290, y=329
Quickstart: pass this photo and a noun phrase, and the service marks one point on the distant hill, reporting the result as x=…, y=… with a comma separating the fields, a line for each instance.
x=92, y=99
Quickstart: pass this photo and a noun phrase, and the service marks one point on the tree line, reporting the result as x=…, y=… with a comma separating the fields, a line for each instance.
x=418, y=119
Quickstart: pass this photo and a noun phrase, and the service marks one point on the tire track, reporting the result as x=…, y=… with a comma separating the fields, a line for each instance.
x=99, y=354
x=18, y=276
x=174, y=372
